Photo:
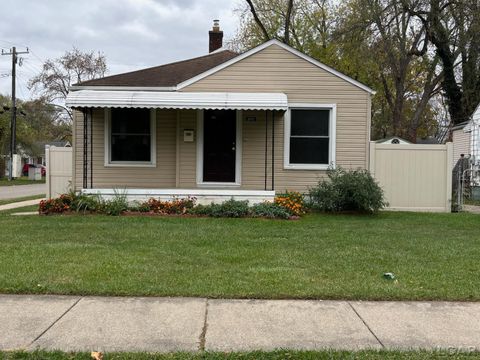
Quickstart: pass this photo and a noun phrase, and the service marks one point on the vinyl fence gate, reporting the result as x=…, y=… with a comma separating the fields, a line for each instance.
x=59, y=170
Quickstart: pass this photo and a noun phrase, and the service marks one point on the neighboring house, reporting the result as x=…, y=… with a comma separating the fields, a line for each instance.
x=39, y=150
x=429, y=140
x=395, y=140
x=461, y=139
x=220, y=125
x=466, y=142
x=474, y=128
x=466, y=138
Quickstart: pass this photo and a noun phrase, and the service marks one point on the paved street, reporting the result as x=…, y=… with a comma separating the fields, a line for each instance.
x=191, y=324
x=16, y=191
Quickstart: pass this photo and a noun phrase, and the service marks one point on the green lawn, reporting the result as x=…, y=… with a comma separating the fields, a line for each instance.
x=276, y=355
x=434, y=256
x=20, y=181
x=25, y=198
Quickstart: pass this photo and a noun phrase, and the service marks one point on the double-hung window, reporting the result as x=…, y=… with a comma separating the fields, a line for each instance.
x=310, y=137
x=130, y=137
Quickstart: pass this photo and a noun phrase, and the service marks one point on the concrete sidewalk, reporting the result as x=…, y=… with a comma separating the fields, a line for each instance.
x=72, y=323
x=20, y=204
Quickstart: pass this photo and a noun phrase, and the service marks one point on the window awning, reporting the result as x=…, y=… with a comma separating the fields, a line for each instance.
x=177, y=100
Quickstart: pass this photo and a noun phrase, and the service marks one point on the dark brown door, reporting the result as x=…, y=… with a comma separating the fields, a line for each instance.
x=219, y=147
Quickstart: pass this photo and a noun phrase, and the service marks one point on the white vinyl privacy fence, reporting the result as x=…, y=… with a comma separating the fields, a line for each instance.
x=414, y=177
x=59, y=170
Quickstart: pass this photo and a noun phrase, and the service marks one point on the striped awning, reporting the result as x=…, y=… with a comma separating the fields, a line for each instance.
x=177, y=100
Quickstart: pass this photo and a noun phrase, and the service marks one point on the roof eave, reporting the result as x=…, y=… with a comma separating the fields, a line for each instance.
x=122, y=88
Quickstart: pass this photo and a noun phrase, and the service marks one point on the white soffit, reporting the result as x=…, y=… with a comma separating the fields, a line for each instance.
x=177, y=100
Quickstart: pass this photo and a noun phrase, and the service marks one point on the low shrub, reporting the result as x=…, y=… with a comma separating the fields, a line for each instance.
x=202, y=210
x=176, y=206
x=140, y=207
x=52, y=206
x=87, y=203
x=230, y=208
x=233, y=208
x=347, y=190
x=270, y=210
x=78, y=202
x=116, y=205
x=292, y=201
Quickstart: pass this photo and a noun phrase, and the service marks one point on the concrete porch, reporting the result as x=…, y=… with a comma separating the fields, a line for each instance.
x=203, y=196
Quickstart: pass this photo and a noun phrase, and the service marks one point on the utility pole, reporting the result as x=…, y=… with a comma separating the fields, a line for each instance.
x=13, y=124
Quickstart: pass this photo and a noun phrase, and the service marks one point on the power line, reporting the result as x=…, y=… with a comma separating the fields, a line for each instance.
x=37, y=57
x=29, y=69
x=23, y=86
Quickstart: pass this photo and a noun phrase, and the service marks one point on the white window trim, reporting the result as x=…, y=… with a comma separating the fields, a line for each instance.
x=238, y=153
x=153, y=144
x=332, y=136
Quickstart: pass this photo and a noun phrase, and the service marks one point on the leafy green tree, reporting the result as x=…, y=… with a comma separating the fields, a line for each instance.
x=41, y=123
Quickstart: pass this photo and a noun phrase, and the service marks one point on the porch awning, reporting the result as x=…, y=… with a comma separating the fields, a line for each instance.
x=177, y=100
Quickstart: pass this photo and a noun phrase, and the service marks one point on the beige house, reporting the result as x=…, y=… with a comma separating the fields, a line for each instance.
x=219, y=126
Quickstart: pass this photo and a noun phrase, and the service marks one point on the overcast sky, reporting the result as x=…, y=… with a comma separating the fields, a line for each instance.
x=132, y=34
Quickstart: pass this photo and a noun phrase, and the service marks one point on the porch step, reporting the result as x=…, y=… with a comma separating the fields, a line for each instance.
x=203, y=196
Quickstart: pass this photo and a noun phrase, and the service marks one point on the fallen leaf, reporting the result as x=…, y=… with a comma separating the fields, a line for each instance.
x=96, y=355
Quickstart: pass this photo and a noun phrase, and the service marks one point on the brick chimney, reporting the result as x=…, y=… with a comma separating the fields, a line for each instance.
x=215, y=37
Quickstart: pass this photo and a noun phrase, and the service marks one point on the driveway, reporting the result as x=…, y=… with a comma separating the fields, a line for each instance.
x=472, y=209
x=16, y=191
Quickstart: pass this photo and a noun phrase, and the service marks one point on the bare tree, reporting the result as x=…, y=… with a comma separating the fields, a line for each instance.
x=57, y=75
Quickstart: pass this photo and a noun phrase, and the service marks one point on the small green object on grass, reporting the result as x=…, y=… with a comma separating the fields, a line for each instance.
x=389, y=276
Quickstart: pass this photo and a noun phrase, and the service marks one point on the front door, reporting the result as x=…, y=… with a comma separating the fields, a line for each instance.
x=219, y=145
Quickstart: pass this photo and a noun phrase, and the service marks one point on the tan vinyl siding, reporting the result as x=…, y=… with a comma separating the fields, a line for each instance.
x=188, y=151
x=253, y=155
x=163, y=175
x=274, y=69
